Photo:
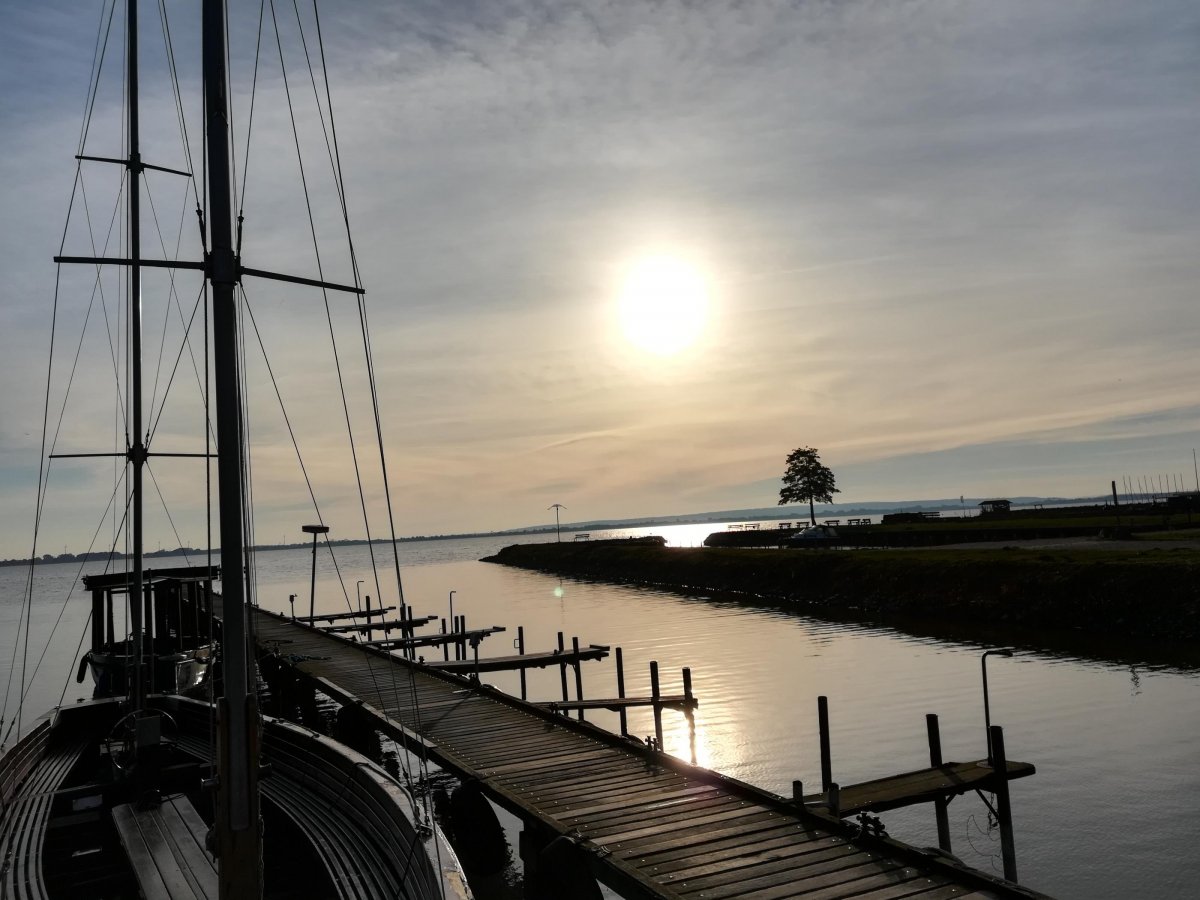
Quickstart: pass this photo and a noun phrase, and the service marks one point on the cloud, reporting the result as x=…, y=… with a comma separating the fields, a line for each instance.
x=930, y=227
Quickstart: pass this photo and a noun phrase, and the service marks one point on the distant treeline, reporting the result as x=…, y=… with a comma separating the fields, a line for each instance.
x=100, y=556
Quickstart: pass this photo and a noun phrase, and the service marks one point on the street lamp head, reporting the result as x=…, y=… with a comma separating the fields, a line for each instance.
x=315, y=529
x=1001, y=652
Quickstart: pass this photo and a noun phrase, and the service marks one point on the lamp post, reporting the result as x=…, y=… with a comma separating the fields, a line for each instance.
x=358, y=592
x=987, y=711
x=556, y=507
x=314, y=530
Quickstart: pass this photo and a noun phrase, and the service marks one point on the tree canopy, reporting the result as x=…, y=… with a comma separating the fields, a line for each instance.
x=807, y=479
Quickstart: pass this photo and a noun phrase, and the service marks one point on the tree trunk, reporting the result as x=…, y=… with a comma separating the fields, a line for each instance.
x=812, y=513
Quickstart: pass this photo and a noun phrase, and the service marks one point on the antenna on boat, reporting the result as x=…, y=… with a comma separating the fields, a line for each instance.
x=238, y=832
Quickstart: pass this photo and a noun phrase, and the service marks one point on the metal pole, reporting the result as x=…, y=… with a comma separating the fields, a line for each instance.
x=556, y=507
x=987, y=708
x=312, y=590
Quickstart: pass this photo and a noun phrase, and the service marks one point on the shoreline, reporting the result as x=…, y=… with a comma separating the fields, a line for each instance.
x=1128, y=606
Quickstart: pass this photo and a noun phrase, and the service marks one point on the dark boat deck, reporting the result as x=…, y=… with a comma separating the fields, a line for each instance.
x=649, y=824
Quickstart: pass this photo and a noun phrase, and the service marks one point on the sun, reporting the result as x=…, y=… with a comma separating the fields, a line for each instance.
x=664, y=305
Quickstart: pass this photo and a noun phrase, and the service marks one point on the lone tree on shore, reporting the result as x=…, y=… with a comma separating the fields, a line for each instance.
x=807, y=479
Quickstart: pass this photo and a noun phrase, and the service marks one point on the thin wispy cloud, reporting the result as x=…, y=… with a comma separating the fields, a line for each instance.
x=933, y=231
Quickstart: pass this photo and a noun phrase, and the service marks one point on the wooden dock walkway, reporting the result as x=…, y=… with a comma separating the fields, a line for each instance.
x=647, y=824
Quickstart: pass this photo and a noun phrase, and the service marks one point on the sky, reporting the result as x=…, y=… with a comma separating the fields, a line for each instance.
x=949, y=244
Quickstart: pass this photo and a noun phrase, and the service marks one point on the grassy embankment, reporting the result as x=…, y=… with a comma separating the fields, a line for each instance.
x=1139, y=594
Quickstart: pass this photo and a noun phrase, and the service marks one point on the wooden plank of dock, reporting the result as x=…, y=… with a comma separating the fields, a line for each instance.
x=335, y=617
x=524, y=661
x=921, y=786
x=649, y=825
x=398, y=624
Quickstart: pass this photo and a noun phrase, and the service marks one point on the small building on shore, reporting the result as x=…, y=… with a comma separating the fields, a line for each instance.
x=995, y=507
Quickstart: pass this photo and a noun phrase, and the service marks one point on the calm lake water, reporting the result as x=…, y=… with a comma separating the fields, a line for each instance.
x=1113, y=812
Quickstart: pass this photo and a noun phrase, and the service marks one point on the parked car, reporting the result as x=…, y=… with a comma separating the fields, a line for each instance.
x=813, y=536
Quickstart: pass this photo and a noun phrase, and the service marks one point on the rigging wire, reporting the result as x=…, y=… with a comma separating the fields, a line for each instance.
x=185, y=344
x=99, y=53
x=43, y=461
x=26, y=688
x=109, y=330
x=370, y=365
x=167, y=511
x=172, y=294
x=250, y=120
x=325, y=296
x=307, y=480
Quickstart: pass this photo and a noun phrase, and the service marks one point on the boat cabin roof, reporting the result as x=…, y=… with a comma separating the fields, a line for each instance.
x=111, y=580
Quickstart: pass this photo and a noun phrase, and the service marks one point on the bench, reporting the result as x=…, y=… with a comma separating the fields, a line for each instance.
x=165, y=844
x=31, y=777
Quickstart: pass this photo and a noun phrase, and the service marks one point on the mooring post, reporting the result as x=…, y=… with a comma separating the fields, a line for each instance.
x=689, y=713
x=935, y=759
x=370, y=631
x=292, y=602
x=462, y=629
x=562, y=669
x=521, y=652
x=823, y=729
x=446, y=646
x=578, y=675
x=1008, y=847
x=621, y=692
x=655, y=693
x=798, y=792
x=833, y=798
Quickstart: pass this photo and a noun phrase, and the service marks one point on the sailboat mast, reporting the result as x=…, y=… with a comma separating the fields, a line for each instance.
x=137, y=450
x=237, y=799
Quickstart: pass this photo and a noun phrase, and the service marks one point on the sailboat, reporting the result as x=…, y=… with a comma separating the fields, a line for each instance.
x=145, y=791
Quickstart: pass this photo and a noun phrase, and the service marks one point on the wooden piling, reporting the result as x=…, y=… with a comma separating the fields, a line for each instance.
x=833, y=799
x=578, y=675
x=940, y=807
x=798, y=792
x=446, y=647
x=655, y=693
x=823, y=728
x=521, y=652
x=562, y=669
x=1008, y=847
x=621, y=691
x=689, y=712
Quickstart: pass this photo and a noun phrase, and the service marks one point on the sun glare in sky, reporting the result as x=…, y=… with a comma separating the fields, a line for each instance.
x=664, y=305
